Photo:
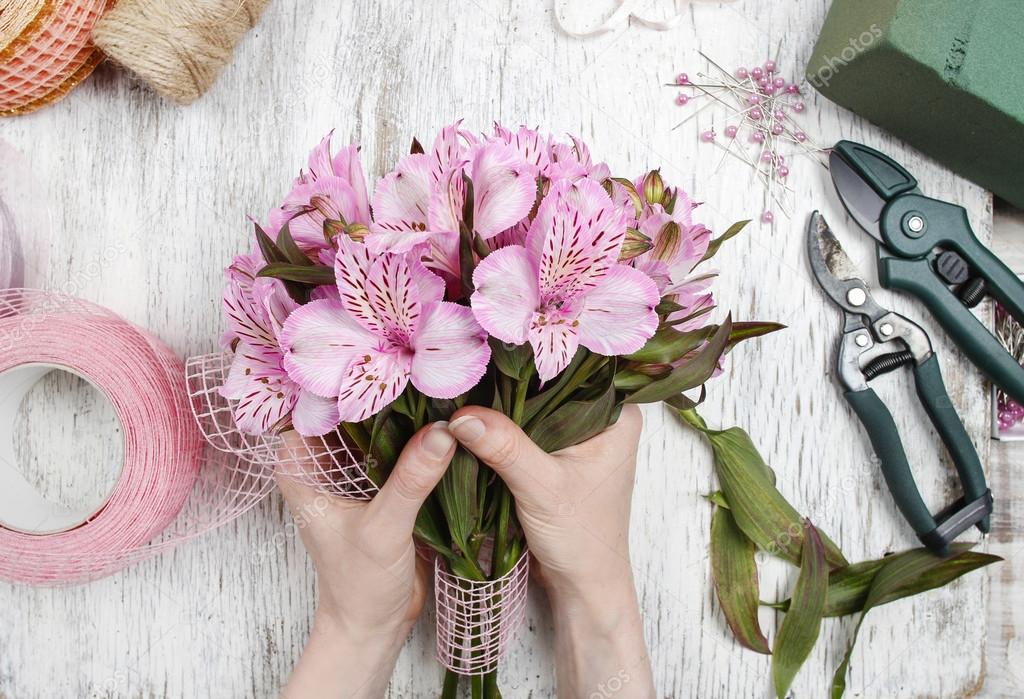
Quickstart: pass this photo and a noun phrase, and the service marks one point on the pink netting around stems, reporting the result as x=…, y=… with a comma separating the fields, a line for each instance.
x=476, y=620
x=328, y=463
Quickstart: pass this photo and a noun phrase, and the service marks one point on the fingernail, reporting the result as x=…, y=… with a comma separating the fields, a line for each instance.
x=467, y=428
x=437, y=441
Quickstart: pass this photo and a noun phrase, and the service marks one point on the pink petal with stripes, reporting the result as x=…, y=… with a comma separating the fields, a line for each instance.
x=402, y=197
x=575, y=238
x=320, y=339
x=451, y=351
x=248, y=318
x=314, y=415
x=314, y=202
x=618, y=315
x=504, y=188
x=555, y=341
x=348, y=165
x=532, y=147
x=352, y=268
x=506, y=294
x=393, y=297
x=373, y=380
x=262, y=389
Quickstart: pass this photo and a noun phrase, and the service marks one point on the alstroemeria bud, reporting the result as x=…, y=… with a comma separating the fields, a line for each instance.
x=666, y=245
x=654, y=187
x=332, y=228
x=357, y=231
x=635, y=244
x=634, y=196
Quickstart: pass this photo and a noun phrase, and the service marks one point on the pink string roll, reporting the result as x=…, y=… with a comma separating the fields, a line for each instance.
x=477, y=620
x=163, y=463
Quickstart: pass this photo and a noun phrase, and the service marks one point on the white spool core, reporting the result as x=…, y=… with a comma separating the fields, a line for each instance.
x=22, y=507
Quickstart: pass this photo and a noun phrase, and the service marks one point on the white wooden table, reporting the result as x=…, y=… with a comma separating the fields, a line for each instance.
x=227, y=615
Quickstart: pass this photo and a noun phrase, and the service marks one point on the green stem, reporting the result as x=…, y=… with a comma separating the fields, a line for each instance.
x=519, y=406
x=694, y=420
x=450, y=690
x=476, y=684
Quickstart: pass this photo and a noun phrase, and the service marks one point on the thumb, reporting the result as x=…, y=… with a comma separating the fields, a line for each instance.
x=528, y=471
x=420, y=466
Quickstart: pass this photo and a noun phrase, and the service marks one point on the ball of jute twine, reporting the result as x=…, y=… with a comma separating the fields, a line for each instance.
x=177, y=46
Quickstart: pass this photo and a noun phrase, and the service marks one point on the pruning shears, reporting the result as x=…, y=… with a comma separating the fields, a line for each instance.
x=876, y=341
x=927, y=248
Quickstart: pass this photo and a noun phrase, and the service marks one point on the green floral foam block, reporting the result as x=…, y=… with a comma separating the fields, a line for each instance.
x=944, y=75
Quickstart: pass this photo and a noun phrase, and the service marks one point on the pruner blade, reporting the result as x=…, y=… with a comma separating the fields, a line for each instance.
x=835, y=272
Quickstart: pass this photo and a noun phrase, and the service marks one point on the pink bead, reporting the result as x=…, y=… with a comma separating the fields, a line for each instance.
x=793, y=89
x=779, y=83
x=780, y=115
x=731, y=131
x=742, y=73
x=682, y=99
x=783, y=171
x=800, y=136
x=777, y=129
x=767, y=217
x=780, y=158
x=682, y=79
x=769, y=66
x=770, y=90
x=763, y=83
x=707, y=136
x=798, y=107
x=757, y=73
x=766, y=157
x=756, y=114
x=754, y=99
x=757, y=137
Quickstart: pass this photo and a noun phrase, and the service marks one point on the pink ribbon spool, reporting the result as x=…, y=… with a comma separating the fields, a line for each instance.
x=144, y=381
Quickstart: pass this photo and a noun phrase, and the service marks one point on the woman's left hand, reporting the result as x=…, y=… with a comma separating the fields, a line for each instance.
x=372, y=584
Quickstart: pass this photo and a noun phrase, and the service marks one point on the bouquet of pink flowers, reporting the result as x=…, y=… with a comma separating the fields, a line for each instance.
x=508, y=270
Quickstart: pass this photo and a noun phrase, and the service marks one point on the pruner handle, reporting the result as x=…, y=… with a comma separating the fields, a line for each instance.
x=974, y=508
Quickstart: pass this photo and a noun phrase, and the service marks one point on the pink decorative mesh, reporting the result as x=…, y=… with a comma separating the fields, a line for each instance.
x=476, y=621
x=55, y=59
x=327, y=463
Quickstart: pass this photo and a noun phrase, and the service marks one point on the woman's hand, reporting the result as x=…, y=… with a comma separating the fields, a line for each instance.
x=574, y=507
x=372, y=585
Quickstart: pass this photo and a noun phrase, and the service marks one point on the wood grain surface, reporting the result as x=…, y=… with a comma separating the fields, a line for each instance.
x=168, y=189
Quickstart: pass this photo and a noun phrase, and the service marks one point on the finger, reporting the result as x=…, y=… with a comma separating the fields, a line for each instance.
x=420, y=466
x=527, y=469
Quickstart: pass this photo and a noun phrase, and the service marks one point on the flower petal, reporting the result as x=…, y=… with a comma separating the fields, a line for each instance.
x=314, y=415
x=532, y=147
x=575, y=237
x=554, y=342
x=348, y=166
x=393, y=297
x=371, y=382
x=247, y=317
x=451, y=351
x=506, y=294
x=618, y=315
x=320, y=339
x=352, y=266
x=504, y=188
x=263, y=391
x=314, y=202
x=402, y=197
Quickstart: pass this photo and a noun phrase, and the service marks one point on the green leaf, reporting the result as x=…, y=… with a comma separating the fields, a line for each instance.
x=761, y=512
x=907, y=574
x=717, y=497
x=690, y=374
x=538, y=402
x=514, y=361
x=734, y=573
x=416, y=146
x=799, y=629
x=747, y=330
x=290, y=250
x=578, y=420
x=316, y=275
x=630, y=380
x=668, y=345
x=715, y=244
x=457, y=493
x=428, y=531
x=271, y=253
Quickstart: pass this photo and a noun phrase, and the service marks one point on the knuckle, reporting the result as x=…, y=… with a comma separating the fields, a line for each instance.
x=506, y=452
x=410, y=482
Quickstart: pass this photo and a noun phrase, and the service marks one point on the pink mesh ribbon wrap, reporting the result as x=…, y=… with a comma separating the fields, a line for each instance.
x=326, y=463
x=170, y=489
x=476, y=620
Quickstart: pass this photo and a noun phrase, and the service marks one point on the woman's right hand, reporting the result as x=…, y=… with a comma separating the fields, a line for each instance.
x=574, y=507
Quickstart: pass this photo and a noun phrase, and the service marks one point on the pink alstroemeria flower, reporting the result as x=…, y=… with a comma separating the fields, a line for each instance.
x=565, y=288
x=331, y=187
x=256, y=308
x=420, y=203
x=387, y=327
